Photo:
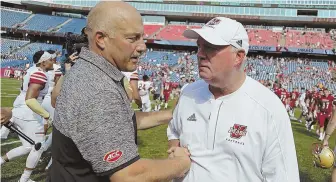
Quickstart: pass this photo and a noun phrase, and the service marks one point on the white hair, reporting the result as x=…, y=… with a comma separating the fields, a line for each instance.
x=236, y=50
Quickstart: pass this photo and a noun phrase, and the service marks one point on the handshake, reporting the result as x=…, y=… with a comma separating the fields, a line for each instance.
x=183, y=155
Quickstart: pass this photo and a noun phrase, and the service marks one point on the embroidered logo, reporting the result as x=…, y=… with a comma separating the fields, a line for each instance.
x=192, y=117
x=240, y=42
x=237, y=131
x=213, y=22
x=113, y=156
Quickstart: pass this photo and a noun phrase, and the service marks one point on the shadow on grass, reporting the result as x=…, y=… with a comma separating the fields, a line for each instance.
x=305, y=132
x=304, y=177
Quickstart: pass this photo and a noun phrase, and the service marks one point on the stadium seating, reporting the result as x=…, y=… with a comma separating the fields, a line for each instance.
x=8, y=45
x=43, y=22
x=303, y=39
x=264, y=37
x=28, y=52
x=31, y=48
x=14, y=63
x=75, y=26
x=174, y=32
x=151, y=29
x=10, y=18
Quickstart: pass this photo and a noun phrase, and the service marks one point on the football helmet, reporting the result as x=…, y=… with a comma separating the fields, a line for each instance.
x=323, y=156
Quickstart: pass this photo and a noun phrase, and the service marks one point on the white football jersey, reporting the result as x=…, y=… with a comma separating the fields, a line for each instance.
x=33, y=75
x=144, y=88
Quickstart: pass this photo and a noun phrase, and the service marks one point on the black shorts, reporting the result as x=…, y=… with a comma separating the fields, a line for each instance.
x=156, y=96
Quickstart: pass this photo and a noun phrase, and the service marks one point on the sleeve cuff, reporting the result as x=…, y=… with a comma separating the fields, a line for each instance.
x=171, y=135
x=114, y=170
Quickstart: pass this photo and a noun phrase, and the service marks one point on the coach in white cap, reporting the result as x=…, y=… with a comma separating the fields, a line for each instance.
x=235, y=128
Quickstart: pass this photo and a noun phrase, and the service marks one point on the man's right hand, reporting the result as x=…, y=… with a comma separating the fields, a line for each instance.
x=184, y=155
x=6, y=115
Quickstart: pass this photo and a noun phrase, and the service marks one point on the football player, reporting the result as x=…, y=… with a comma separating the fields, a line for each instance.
x=144, y=89
x=158, y=93
x=54, y=76
x=167, y=89
x=326, y=110
x=28, y=114
x=303, y=105
x=328, y=132
x=292, y=102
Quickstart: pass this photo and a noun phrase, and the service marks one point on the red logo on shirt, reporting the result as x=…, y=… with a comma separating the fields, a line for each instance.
x=113, y=156
x=237, y=131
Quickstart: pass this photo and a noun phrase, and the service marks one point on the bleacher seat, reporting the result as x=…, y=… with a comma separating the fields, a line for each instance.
x=150, y=29
x=9, y=44
x=264, y=37
x=10, y=18
x=75, y=26
x=43, y=22
x=31, y=48
x=301, y=39
x=174, y=32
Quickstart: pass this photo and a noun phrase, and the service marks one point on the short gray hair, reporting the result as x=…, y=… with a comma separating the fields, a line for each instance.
x=236, y=50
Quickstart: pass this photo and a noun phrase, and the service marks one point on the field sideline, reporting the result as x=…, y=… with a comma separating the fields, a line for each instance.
x=153, y=144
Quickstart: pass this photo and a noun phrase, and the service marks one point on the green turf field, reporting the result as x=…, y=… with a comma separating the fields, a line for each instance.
x=153, y=144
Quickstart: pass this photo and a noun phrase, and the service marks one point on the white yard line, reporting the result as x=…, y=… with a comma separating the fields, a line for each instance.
x=12, y=142
x=9, y=143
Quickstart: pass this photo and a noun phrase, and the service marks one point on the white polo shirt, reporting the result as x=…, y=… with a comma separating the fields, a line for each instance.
x=242, y=137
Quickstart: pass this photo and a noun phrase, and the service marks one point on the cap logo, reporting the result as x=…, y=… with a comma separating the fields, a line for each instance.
x=240, y=43
x=213, y=22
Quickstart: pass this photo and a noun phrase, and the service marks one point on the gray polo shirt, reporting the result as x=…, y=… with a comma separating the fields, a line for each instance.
x=94, y=132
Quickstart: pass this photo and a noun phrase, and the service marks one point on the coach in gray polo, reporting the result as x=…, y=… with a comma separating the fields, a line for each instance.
x=94, y=133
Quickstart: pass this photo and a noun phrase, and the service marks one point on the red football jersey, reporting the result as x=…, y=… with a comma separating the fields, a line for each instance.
x=294, y=96
x=167, y=86
x=277, y=92
x=316, y=95
x=284, y=96
x=327, y=104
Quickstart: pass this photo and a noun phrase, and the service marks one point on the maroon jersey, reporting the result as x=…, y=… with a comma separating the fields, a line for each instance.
x=277, y=92
x=294, y=96
x=167, y=87
x=316, y=95
x=284, y=96
x=327, y=104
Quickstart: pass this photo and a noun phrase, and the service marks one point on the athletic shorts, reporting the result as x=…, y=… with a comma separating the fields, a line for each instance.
x=166, y=96
x=34, y=129
x=321, y=117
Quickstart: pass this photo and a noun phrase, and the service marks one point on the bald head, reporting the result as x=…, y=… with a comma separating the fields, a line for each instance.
x=108, y=16
x=115, y=31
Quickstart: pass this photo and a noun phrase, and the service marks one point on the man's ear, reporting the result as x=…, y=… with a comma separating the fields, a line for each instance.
x=240, y=58
x=99, y=39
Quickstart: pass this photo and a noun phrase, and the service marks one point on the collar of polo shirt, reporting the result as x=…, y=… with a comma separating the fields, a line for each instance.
x=101, y=63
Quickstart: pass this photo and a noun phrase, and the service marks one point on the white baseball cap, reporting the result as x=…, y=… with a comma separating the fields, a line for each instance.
x=221, y=31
